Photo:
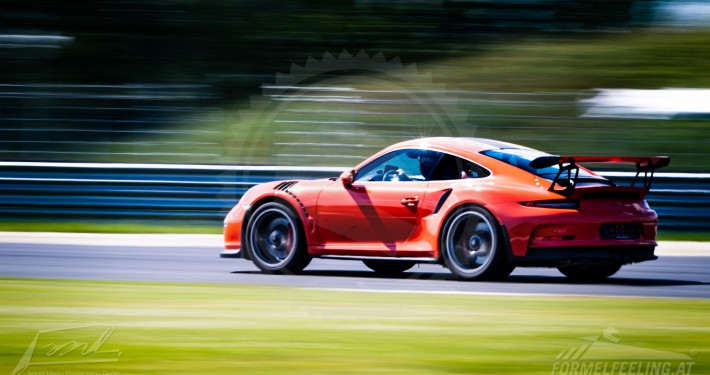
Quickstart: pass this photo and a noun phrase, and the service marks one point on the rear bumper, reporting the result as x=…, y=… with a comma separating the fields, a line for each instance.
x=231, y=253
x=538, y=231
x=562, y=256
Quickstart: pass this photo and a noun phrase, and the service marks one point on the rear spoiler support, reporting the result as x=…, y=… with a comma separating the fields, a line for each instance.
x=571, y=181
x=569, y=170
x=647, y=178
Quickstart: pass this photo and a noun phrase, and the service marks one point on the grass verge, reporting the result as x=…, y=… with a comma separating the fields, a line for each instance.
x=84, y=227
x=684, y=236
x=190, y=329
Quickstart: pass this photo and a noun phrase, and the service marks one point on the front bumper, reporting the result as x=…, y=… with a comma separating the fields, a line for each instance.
x=231, y=253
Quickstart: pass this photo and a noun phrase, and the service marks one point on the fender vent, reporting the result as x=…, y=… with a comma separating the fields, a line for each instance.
x=284, y=186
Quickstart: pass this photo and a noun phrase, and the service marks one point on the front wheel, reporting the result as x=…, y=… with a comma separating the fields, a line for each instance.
x=276, y=241
x=589, y=272
x=473, y=247
x=388, y=267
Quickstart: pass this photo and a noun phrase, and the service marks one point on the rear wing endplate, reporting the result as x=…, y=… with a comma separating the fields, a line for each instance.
x=569, y=170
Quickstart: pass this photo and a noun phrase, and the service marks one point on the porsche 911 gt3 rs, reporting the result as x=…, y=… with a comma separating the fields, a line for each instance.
x=479, y=207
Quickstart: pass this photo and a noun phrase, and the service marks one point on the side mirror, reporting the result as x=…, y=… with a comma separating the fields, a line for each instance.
x=348, y=177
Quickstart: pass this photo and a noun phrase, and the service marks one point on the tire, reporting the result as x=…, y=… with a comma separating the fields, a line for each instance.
x=276, y=240
x=472, y=245
x=589, y=272
x=388, y=267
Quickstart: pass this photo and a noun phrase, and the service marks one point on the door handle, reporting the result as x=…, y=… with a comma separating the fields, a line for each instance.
x=410, y=201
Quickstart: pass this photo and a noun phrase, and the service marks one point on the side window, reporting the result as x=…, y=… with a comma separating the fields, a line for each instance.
x=473, y=170
x=401, y=165
x=452, y=168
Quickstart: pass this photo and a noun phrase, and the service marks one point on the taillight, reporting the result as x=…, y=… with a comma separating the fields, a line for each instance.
x=562, y=204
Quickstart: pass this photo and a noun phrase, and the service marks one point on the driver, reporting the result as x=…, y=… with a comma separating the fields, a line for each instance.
x=427, y=163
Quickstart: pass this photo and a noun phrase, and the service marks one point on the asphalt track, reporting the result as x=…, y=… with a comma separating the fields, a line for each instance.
x=670, y=276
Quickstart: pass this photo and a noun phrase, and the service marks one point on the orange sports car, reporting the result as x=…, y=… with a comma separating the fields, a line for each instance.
x=478, y=206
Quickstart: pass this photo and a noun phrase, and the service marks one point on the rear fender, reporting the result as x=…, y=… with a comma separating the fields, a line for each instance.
x=453, y=203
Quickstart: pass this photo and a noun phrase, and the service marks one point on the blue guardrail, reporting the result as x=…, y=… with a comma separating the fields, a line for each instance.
x=203, y=194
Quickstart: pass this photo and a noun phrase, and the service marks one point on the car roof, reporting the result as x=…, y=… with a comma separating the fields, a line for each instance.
x=465, y=147
x=458, y=145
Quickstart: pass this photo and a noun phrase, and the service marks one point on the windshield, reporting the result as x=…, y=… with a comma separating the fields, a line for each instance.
x=522, y=158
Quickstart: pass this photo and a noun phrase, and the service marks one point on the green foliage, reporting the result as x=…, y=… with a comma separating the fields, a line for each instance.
x=642, y=59
x=497, y=91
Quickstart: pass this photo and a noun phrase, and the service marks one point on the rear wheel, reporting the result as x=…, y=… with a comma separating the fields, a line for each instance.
x=472, y=246
x=589, y=272
x=276, y=241
x=388, y=267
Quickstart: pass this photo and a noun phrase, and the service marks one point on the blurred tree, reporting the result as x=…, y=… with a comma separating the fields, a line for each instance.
x=229, y=46
x=191, y=40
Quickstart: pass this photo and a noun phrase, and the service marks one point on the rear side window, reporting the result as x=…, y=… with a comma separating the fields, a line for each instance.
x=522, y=158
x=451, y=167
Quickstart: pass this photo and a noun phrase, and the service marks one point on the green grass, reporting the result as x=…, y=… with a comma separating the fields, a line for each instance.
x=684, y=236
x=231, y=329
x=106, y=227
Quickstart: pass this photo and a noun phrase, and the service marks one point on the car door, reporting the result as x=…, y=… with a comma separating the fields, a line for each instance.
x=380, y=209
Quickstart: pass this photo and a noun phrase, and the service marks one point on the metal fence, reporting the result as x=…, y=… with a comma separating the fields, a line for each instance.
x=202, y=194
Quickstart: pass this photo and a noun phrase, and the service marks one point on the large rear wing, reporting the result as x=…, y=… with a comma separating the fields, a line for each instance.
x=568, y=173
